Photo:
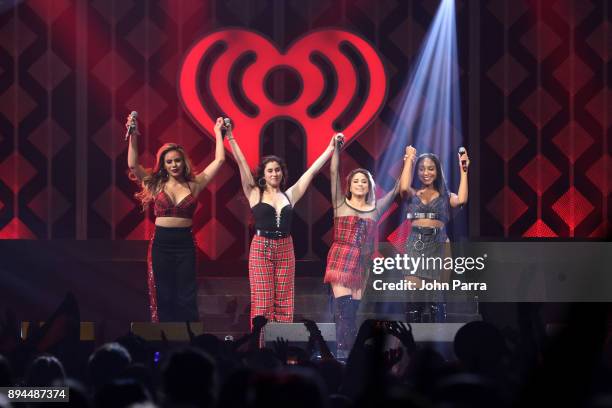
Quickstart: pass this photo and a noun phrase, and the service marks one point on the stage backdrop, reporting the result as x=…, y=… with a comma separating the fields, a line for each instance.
x=535, y=83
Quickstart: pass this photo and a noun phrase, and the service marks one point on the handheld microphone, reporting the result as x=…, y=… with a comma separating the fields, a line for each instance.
x=227, y=125
x=462, y=151
x=132, y=126
x=340, y=140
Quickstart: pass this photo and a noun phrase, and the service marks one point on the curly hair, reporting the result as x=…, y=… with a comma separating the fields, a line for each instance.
x=154, y=181
x=371, y=195
x=259, y=172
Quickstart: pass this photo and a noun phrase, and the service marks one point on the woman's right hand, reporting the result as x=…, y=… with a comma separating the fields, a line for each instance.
x=131, y=121
x=410, y=153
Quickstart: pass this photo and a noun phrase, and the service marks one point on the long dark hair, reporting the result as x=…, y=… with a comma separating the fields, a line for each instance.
x=371, y=195
x=440, y=182
x=154, y=181
x=259, y=172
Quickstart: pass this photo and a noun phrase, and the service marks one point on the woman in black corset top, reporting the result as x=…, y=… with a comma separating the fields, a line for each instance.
x=271, y=257
x=429, y=204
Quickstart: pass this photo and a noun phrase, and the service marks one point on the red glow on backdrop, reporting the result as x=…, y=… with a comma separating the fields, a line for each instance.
x=70, y=72
x=298, y=57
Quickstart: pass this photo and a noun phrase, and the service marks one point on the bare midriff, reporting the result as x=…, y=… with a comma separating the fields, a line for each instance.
x=173, y=222
x=423, y=222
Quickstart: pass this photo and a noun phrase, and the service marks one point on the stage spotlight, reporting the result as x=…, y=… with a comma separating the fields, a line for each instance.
x=429, y=116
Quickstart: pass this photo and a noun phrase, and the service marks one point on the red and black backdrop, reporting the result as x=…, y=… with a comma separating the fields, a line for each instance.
x=535, y=94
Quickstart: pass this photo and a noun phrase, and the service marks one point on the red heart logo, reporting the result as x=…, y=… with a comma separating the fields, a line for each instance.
x=343, y=85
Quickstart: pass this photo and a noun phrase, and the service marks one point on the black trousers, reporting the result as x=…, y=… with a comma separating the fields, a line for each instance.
x=173, y=261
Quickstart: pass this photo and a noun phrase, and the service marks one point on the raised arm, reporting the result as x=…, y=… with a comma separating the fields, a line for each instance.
x=334, y=174
x=384, y=203
x=406, y=178
x=246, y=177
x=296, y=191
x=457, y=200
x=204, y=177
x=387, y=199
x=135, y=168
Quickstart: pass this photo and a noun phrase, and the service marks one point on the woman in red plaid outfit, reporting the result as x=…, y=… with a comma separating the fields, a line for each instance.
x=173, y=189
x=271, y=257
x=355, y=215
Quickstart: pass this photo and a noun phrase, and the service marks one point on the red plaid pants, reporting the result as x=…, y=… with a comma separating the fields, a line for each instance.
x=272, y=276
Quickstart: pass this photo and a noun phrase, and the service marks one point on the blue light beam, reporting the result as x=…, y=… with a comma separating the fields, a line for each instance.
x=429, y=116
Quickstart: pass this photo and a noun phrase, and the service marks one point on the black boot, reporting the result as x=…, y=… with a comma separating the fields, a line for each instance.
x=342, y=312
x=352, y=322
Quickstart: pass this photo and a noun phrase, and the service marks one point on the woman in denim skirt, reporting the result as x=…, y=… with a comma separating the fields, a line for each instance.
x=422, y=183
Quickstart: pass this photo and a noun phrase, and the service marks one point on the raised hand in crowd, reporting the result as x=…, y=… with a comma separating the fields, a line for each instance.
x=403, y=332
x=281, y=348
x=258, y=324
x=316, y=338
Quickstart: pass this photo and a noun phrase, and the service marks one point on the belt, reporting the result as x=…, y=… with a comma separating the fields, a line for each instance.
x=420, y=216
x=271, y=234
x=426, y=230
x=419, y=245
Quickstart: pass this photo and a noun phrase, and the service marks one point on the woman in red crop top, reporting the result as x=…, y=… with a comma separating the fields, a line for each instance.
x=271, y=257
x=173, y=189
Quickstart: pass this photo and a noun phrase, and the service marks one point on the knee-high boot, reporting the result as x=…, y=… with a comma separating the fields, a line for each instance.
x=352, y=321
x=342, y=311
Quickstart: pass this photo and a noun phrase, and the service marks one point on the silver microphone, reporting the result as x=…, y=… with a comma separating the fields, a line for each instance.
x=132, y=126
x=462, y=151
x=340, y=140
x=227, y=125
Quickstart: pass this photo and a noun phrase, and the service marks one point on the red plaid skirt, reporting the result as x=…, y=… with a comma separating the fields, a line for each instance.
x=352, y=247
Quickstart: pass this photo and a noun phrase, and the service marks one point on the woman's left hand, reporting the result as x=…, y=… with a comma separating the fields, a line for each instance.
x=338, y=140
x=464, y=161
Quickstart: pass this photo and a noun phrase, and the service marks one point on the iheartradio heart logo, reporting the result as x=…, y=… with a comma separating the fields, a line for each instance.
x=342, y=85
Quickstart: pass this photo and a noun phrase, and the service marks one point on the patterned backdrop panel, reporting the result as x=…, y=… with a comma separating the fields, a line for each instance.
x=38, y=79
x=548, y=65
x=71, y=71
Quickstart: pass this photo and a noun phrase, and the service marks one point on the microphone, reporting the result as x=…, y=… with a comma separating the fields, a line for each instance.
x=462, y=151
x=340, y=140
x=227, y=125
x=132, y=126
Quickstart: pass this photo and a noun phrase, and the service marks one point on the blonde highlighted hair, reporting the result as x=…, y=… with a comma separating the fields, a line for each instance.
x=154, y=181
